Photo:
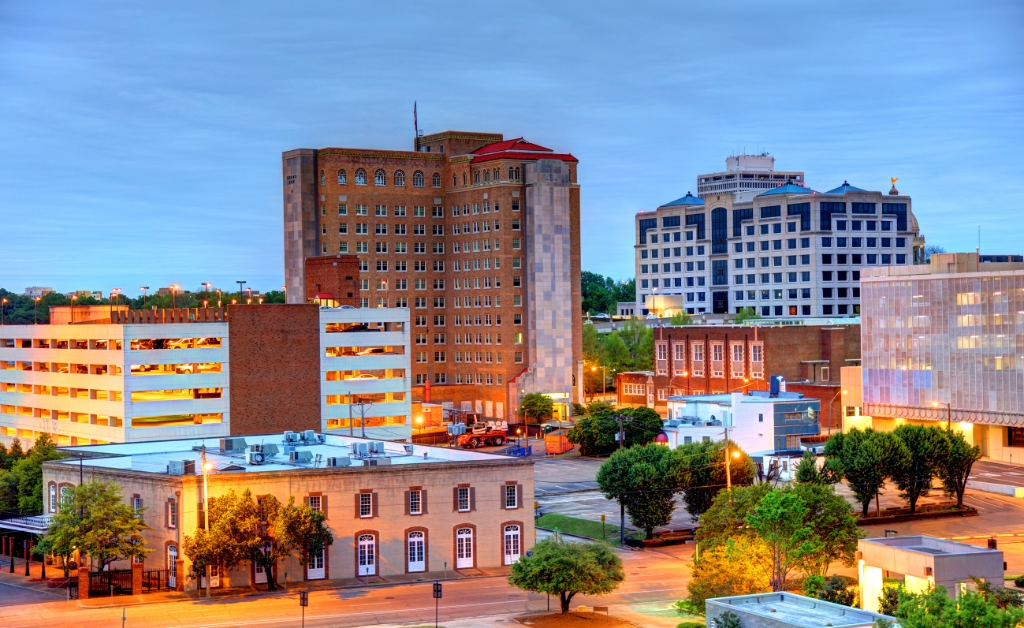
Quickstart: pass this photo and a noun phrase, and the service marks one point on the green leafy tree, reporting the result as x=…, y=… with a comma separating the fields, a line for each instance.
x=64, y=534
x=275, y=296
x=564, y=569
x=97, y=520
x=912, y=472
x=865, y=459
x=639, y=341
x=595, y=434
x=746, y=314
x=639, y=478
x=728, y=619
x=29, y=472
x=699, y=470
x=596, y=407
x=778, y=520
x=597, y=292
x=955, y=467
x=680, y=319
x=833, y=528
x=537, y=406
x=835, y=589
x=9, y=457
x=726, y=518
x=934, y=609
x=807, y=472
x=306, y=530
x=614, y=353
x=735, y=568
x=8, y=490
x=257, y=528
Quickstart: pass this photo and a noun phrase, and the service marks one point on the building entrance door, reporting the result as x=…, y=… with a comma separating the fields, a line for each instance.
x=464, y=548
x=367, y=555
x=316, y=570
x=172, y=558
x=417, y=558
x=260, y=575
x=512, y=544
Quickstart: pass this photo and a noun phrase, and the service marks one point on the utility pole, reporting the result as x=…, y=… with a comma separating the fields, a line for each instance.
x=240, y=284
x=363, y=405
x=206, y=512
x=728, y=470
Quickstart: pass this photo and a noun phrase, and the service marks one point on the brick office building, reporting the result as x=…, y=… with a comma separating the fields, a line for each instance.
x=714, y=359
x=478, y=236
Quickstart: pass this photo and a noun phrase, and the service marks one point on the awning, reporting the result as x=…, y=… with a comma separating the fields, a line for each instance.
x=35, y=524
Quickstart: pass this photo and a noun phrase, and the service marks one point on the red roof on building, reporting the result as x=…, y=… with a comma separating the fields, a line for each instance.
x=518, y=149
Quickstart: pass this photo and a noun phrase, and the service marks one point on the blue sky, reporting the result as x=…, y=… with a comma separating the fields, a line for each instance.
x=140, y=143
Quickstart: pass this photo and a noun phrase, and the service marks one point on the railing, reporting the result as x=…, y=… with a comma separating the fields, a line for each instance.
x=170, y=315
x=110, y=583
x=72, y=585
x=154, y=580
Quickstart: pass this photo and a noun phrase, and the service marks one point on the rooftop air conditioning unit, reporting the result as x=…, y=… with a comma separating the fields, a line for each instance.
x=359, y=449
x=290, y=437
x=376, y=462
x=309, y=436
x=300, y=456
x=254, y=457
x=232, y=444
x=181, y=467
x=289, y=449
x=340, y=461
x=270, y=449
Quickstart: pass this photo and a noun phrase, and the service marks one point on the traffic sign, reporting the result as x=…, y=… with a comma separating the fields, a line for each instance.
x=437, y=590
x=303, y=598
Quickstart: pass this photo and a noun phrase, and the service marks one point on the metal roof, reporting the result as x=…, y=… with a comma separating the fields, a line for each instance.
x=788, y=188
x=844, y=188
x=689, y=199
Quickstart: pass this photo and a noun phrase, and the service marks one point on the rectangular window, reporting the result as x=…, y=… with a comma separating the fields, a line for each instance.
x=511, y=496
x=462, y=499
x=365, y=505
x=415, y=502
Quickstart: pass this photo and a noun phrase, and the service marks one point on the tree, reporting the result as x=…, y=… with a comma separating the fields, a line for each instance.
x=597, y=293
x=595, y=434
x=97, y=521
x=746, y=314
x=274, y=296
x=680, y=319
x=699, y=470
x=912, y=472
x=614, y=353
x=930, y=250
x=63, y=535
x=599, y=406
x=807, y=472
x=639, y=478
x=865, y=460
x=639, y=341
x=257, y=529
x=564, y=569
x=29, y=473
x=778, y=520
x=833, y=527
x=835, y=589
x=726, y=518
x=934, y=609
x=537, y=406
x=734, y=568
x=305, y=530
x=955, y=467
x=624, y=291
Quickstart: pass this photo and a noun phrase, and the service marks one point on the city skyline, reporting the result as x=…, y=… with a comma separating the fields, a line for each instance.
x=161, y=166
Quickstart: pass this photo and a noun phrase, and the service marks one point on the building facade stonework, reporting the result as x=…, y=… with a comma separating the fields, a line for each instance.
x=476, y=235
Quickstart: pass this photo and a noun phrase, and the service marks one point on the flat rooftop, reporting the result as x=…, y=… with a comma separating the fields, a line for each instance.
x=928, y=545
x=153, y=457
x=757, y=396
x=799, y=611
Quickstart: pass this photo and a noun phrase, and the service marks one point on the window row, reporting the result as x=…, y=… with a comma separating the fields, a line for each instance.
x=479, y=379
x=419, y=211
x=380, y=178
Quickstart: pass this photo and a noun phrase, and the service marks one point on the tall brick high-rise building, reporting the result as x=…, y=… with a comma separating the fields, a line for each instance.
x=477, y=235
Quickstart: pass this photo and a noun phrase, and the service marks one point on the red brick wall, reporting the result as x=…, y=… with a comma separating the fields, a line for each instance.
x=274, y=354
x=334, y=274
x=829, y=401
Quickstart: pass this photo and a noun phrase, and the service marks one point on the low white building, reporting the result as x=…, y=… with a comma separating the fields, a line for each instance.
x=761, y=424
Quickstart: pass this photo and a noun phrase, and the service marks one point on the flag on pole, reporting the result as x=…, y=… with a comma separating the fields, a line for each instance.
x=415, y=123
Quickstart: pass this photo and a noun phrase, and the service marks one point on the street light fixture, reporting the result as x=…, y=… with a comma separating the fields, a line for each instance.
x=174, y=295
x=240, y=284
x=949, y=415
x=144, y=289
x=3, y=304
x=206, y=510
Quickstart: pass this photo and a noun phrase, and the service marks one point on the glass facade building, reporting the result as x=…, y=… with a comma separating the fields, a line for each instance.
x=945, y=341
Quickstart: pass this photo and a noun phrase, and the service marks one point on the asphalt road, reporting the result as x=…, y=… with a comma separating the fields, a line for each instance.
x=654, y=581
x=998, y=473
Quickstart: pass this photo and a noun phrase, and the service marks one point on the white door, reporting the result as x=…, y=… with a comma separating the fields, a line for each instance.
x=315, y=570
x=464, y=548
x=417, y=558
x=512, y=544
x=261, y=575
x=367, y=555
x=172, y=557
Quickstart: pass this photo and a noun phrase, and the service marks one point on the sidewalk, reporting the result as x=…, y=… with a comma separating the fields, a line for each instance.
x=34, y=580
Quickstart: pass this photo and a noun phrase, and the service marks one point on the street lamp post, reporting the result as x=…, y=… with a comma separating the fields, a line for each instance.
x=949, y=415
x=207, y=284
x=174, y=296
x=144, y=289
x=838, y=392
x=3, y=304
x=218, y=297
x=206, y=511
x=240, y=284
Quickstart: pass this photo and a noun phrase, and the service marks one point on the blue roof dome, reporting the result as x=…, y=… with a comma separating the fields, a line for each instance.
x=844, y=188
x=689, y=199
x=788, y=188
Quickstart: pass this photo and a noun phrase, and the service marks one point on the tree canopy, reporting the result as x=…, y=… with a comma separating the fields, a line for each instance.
x=737, y=567
x=640, y=478
x=955, y=467
x=865, y=459
x=699, y=468
x=601, y=294
x=21, y=475
x=96, y=520
x=564, y=569
x=934, y=609
x=597, y=433
x=537, y=406
x=925, y=448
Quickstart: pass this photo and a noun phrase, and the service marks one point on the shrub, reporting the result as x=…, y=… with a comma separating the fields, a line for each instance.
x=1018, y=581
x=728, y=619
x=835, y=589
x=691, y=624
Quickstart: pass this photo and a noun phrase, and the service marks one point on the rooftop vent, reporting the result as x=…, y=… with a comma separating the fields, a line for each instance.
x=300, y=456
x=254, y=457
x=270, y=450
x=181, y=467
x=340, y=461
x=232, y=444
x=291, y=437
x=376, y=462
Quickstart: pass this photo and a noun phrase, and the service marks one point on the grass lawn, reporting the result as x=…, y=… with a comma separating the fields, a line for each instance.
x=580, y=527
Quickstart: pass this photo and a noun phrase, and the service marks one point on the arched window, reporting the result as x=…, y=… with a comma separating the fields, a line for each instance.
x=463, y=178
x=417, y=179
x=511, y=173
x=497, y=174
x=323, y=179
x=399, y=178
x=360, y=177
x=455, y=180
x=476, y=177
x=487, y=176
x=437, y=180
x=66, y=494
x=380, y=178
x=53, y=498
x=342, y=178
x=517, y=173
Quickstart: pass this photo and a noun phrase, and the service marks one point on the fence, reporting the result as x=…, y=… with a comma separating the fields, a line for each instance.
x=72, y=585
x=154, y=580
x=110, y=583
